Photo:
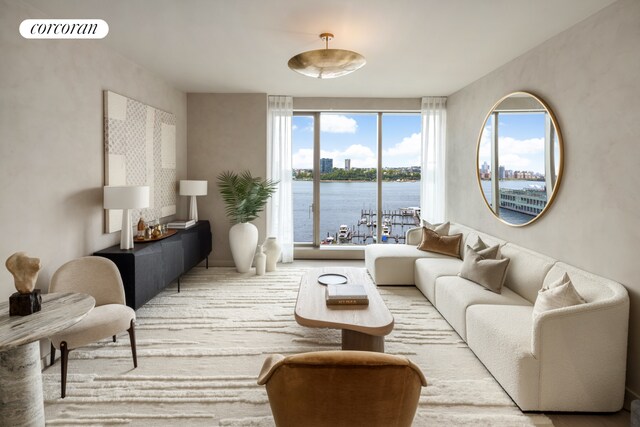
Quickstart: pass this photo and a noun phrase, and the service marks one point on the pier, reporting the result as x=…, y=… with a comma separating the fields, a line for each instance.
x=395, y=224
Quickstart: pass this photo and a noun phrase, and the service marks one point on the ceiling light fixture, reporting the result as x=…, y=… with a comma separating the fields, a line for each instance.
x=326, y=63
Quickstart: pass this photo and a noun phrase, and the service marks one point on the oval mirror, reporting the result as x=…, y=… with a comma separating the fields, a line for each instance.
x=519, y=158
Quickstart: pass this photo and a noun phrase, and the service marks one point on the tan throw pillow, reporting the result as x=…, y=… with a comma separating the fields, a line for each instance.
x=558, y=294
x=442, y=229
x=487, y=252
x=434, y=242
x=487, y=272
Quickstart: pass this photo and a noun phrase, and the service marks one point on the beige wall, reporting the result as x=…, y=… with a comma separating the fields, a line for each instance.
x=51, y=141
x=226, y=132
x=589, y=76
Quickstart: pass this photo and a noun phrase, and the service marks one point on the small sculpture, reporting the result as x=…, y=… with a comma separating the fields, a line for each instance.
x=25, y=271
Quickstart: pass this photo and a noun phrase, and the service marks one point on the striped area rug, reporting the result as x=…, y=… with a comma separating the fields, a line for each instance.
x=200, y=352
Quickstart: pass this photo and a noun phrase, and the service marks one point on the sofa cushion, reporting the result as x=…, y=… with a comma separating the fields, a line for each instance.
x=527, y=270
x=434, y=242
x=471, y=237
x=558, y=294
x=487, y=272
x=427, y=270
x=500, y=337
x=455, y=294
x=393, y=264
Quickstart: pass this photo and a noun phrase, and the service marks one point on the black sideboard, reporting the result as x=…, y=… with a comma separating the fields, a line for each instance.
x=149, y=267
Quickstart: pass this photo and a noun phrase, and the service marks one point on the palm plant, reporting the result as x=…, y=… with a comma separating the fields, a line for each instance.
x=244, y=195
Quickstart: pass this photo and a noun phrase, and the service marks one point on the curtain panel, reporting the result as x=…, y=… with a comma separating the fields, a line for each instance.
x=432, y=188
x=280, y=206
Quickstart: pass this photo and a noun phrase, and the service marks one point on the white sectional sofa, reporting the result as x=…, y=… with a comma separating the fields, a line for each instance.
x=568, y=359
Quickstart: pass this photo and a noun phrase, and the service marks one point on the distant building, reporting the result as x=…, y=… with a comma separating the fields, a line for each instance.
x=501, y=172
x=326, y=165
x=485, y=168
x=347, y=164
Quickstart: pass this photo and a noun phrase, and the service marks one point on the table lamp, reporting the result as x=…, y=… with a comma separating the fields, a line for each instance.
x=193, y=189
x=126, y=197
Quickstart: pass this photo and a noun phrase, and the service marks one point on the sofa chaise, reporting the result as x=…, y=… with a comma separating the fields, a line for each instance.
x=567, y=359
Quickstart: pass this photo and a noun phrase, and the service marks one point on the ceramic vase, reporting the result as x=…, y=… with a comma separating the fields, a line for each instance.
x=243, y=239
x=260, y=261
x=273, y=251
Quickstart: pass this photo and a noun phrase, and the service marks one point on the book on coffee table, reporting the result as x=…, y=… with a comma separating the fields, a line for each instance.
x=346, y=295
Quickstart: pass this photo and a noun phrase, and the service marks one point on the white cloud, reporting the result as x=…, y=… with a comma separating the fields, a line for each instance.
x=302, y=159
x=337, y=123
x=294, y=127
x=404, y=153
x=510, y=145
x=361, y=157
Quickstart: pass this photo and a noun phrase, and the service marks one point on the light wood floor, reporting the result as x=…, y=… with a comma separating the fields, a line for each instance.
x=619, y=419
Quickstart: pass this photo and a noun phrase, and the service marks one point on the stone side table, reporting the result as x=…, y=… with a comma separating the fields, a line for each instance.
x=21, y=401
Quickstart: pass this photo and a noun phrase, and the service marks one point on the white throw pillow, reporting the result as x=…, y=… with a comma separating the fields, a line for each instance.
x=558, y=294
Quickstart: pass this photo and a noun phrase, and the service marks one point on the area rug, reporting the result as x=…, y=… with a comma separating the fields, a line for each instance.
x=200, y=352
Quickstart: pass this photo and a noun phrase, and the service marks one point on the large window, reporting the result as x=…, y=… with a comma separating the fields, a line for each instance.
x=356, y=177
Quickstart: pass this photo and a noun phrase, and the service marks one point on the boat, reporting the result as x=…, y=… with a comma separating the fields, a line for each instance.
x=344, y=233
x=530, y=200
x=385, y=233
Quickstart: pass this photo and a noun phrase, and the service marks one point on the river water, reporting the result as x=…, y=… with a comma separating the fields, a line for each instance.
x=343, y=203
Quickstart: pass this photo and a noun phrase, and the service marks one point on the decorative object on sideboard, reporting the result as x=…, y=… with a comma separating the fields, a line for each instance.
x=245, y=197
x=260, y=261
x=140, y=149
x=518, y=195
x=25, y=273
x=326, y=63
x=192, y=189
x=273, y=251
x=126, y=198
x=141, y=227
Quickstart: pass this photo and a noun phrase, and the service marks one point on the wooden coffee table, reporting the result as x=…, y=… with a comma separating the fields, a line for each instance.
x=363, y=326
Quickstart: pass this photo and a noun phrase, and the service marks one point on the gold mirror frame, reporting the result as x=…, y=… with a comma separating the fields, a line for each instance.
x=559, y=138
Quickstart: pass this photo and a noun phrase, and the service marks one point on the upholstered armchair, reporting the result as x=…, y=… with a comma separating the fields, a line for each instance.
x=342, y=388
x=100, y=278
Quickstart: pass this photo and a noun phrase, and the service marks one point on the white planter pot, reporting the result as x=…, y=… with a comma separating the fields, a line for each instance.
x=273, y=251
x=243, y=239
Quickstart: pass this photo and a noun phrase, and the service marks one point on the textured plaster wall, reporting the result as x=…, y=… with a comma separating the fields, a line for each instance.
x=51, y=141
x=226, y=132
x=589, y=76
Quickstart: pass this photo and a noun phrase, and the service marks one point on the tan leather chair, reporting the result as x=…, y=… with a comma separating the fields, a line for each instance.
x=342, y=388
x=100, y=278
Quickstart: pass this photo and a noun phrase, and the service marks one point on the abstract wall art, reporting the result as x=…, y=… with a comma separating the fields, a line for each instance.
x=140, y=149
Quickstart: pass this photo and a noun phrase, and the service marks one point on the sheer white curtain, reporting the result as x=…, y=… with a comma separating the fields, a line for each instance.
x=432, y=189
x=279, y=208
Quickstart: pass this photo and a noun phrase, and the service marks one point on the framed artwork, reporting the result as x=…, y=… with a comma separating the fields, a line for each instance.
x=140, y=149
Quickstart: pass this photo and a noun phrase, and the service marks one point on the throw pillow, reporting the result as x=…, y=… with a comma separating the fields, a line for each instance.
x=434, y=242
x=486, y=251
x=486, y=272
x=442, y=228
x=558, y=294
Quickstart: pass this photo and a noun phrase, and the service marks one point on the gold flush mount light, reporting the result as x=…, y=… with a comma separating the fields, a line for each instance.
x=326, y=63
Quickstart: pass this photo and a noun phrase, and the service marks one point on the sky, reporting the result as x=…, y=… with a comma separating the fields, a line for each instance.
x=354, y=136
x=520, y=140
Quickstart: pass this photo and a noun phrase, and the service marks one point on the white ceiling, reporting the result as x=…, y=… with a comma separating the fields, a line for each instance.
x=413, y=47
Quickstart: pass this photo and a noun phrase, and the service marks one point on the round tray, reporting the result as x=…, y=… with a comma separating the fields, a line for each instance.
x=332, y=279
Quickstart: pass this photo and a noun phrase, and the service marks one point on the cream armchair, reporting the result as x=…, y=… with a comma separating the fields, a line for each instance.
x=100, y=278
x=342, y=388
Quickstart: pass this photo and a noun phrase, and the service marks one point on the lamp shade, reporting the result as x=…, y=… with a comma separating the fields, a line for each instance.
x=193, y=188
x=126, y=197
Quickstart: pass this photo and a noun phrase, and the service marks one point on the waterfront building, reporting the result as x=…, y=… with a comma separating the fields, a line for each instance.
x=326, y=165
x=347, y=164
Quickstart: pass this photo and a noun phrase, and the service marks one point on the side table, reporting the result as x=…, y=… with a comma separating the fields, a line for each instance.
x=21, y=400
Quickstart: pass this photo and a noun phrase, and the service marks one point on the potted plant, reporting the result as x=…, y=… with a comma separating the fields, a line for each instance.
x=245, y=197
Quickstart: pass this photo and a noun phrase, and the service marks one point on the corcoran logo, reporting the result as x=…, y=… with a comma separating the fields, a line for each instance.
x=64, y=29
